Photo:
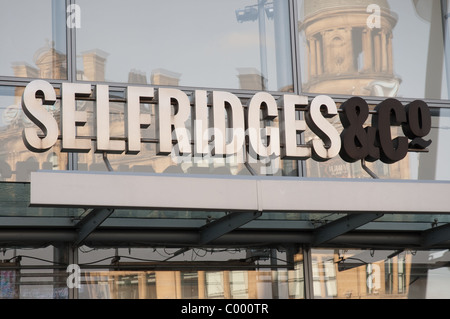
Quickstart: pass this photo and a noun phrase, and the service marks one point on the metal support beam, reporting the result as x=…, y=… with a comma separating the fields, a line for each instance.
x=342, y=226
x=436, y=235
x=226, y=224
x=89, y=223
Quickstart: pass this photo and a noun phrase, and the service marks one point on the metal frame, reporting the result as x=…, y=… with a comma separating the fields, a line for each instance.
x=116, y=232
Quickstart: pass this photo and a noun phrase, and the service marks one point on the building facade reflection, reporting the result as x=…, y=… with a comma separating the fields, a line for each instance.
x=346, y=53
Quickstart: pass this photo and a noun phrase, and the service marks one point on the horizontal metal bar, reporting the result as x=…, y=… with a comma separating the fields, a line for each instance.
x=187, y=222
x=436, y=235
x=107, y=238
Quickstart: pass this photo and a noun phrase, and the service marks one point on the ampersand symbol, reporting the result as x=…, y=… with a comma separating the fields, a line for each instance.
x=354, y=138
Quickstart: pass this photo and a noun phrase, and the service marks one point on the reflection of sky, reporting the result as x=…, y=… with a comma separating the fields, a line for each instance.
x=202, y=40
x=25, y=27
x=410, y=43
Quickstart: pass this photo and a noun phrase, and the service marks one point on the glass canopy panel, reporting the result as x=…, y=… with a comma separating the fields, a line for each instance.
x=15, y=202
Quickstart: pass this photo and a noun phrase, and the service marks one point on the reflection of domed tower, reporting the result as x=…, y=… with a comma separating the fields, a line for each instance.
x=346, y=54
x=51, y=64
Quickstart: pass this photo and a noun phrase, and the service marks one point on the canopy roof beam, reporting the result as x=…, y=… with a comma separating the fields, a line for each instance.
x=341, y=226
x=89, y=223
x=436, y=235
x=224, y=225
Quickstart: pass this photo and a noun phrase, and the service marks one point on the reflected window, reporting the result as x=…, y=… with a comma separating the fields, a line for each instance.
x=367, y=48
x=401, y=274
x=330, y=278
x=214, y=285
x=239, y=284
x=189, y=285
x=317, y=286
x=225, y=44
x=33, y=35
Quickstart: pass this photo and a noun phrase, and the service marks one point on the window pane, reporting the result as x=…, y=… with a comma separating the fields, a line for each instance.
x=33, y=36
x=148, y=160
x=376, y=48
x=389, y=274
x=202, y=43
x=429, y=164
x=16, y=161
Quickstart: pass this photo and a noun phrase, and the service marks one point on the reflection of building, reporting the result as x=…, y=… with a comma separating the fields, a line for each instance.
x=354, y=278
x=18, y=164
x=94, y=62
x=165, y=77
x=250, y=79
x=50, y=64
x=346, y=54
x=201, y=284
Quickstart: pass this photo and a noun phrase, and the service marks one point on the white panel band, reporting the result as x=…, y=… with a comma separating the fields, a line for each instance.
x=236, y=193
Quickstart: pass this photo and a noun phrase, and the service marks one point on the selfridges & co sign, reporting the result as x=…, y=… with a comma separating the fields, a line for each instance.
x=216, y=124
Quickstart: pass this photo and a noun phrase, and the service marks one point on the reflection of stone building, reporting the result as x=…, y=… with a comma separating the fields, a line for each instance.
x=354, y=278
x=192, y=284
x=350, y=54
x=94, y=63
x=50, y=64
x=16, y=162
x=251, y=79
x=346, y=54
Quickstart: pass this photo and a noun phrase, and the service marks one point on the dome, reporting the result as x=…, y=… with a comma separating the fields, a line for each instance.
x=311, y=7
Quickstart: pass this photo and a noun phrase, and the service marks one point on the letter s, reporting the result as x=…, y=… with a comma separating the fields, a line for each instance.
x=33, y=107
x=330, y=145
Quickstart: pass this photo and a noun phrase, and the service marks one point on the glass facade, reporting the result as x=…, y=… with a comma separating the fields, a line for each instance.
x=385, y=274
x=373, y=49
x=232, y=44
x=33, y=39
x=365, y=55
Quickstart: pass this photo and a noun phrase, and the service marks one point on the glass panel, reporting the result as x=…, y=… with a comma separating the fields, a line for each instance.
x=16, y=161
x=189, y=285
x=33, y=36
x=174, y=277
x=430, y=164
x=384, y=274
x=15, y=201
x=205, y=44
x=31, y=273
x=148, y=161
x=367, y=47
x=239, y=284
